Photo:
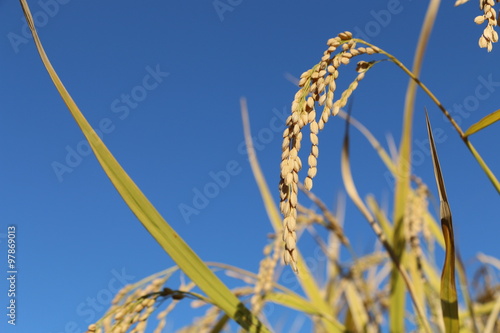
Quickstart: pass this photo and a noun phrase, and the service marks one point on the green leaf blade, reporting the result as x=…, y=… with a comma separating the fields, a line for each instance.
x=187, y=260
x=449, y=300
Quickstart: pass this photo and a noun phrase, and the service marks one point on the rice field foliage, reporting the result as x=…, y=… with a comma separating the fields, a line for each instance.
x=398, y=287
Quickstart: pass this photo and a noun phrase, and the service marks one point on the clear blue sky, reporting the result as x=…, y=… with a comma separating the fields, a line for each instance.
x=184, y=66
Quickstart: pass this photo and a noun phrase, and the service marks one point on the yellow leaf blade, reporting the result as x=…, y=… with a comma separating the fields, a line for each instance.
x=483, y=123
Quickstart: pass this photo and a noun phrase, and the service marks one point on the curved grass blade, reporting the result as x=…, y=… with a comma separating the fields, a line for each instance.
x=449, y=302
x=293, y=301
x=493, y=317
x=384, y=156
x=386, y=159
x=486, y=259
x=187, y=260
x=483, y=123
x=385, y=224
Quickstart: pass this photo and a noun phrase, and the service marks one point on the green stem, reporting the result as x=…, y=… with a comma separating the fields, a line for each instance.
x=460, y=132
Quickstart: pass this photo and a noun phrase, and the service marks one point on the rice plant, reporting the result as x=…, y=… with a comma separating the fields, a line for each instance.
x=396, y=284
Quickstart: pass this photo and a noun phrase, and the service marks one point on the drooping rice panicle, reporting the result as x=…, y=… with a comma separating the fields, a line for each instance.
x=489, y=16
x=265, y=277
x=414, y=220
x=489, y=35
x=317, y=88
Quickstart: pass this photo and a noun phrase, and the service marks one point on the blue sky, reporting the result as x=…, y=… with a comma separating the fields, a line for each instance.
x=162, y=81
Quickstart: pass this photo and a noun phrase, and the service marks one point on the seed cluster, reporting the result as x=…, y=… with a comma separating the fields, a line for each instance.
x=129, y=312
x=414, y=219
x=265, y=278
x=204, y=324
x=489, y=35
x=317, y=87
x=489, y=16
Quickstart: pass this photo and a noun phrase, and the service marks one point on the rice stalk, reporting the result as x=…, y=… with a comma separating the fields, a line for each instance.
x=402, y=187
x=491, y=176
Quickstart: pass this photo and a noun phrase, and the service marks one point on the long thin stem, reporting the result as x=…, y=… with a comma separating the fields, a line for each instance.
x=460, y=132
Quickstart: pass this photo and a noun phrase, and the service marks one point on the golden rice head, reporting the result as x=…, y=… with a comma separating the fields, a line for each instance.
x=162, y=317
x=266, y=268
x=204, y=324
x=414, y=219
x=489, y=35
x=93, y=329
x=347, y=93
x=265, y=278
x=130, y=309
x=317, y=88
x=489, y=16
